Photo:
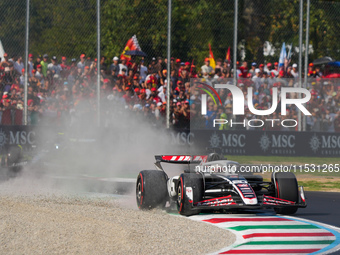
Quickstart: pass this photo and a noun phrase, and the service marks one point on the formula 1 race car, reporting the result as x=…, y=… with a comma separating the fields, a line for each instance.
x=12, y=161
x=213, y=183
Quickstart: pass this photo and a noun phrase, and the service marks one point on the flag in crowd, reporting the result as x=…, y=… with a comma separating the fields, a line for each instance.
x=211, y=58
x=289, y=56
x=132, y=44
x=227, y=57
x=2, y=51
x=192, y=65
x=283, y=55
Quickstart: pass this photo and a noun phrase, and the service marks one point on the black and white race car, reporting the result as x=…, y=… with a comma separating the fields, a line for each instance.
x=212, y=183
x=12, y=161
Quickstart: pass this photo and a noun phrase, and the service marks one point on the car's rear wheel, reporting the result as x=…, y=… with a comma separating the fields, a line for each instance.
x=286, y=187
x=190, y=190
x=151, y=189
x=14, y=155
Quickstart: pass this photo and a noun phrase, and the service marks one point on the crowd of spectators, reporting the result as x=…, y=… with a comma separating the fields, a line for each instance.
x=62, y=91
x=324, y=104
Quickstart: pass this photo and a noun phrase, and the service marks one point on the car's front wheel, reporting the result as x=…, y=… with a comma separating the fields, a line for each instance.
x=190, y=190
x=286, y=187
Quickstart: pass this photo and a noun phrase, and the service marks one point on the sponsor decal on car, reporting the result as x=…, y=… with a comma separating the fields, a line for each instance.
x=267, y=200
x=188, y=192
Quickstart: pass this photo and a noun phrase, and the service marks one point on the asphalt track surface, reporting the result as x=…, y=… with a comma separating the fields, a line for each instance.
x=322, y=207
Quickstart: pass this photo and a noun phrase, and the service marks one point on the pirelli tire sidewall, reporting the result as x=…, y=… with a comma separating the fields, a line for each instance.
x=286, y=187
x=187, y=180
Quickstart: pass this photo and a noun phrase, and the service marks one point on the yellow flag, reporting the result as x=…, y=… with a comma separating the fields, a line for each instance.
x=211, y=57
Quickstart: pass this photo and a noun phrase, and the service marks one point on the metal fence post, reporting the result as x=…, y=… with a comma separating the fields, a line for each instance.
x=306, y=56
x=235, y=42
x=300, y=59
x=168, y=68
x=26, y=60
x=98, y=63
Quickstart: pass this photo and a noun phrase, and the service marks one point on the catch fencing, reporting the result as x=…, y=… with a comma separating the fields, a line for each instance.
x=68, y=30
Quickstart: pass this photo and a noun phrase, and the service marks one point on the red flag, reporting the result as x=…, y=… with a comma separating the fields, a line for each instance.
x=211, y=57
x=192, y=63
x=132, y=44
x=227, y=57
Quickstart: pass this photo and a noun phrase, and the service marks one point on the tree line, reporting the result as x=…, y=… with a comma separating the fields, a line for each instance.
x=63, y=27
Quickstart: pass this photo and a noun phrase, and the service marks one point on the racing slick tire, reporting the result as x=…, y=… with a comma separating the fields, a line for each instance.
x=151, y=189
x=12, y=160
x=286, y=187
x=189, y=183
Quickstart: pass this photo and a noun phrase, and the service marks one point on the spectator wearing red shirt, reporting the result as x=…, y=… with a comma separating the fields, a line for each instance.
x=310, y=69
x=152, y=78
x=132, y=65
x=244, y=69
x=15, y=86
x=154, y=98
x=6, y=118
x=193, y=73
x=65, y=68
x=187, y=66
x=182, y=67
x=123, y=76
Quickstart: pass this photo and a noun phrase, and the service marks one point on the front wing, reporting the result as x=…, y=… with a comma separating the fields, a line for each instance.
x=264, y=201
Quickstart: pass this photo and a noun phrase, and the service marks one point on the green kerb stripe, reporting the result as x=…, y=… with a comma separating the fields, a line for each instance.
x=289, y=242
x=240, y=228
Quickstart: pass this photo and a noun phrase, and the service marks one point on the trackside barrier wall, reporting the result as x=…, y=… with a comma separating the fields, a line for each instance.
x=269, y=143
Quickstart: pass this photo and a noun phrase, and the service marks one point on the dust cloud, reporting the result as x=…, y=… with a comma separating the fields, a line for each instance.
x=79, y=156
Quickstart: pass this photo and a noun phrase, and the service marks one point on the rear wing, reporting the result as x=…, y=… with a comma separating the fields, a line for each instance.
x=181, y=159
